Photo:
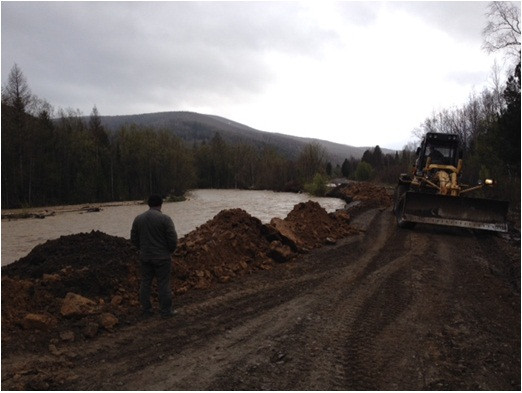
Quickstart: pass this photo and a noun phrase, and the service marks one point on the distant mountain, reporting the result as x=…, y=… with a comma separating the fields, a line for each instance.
x=194, y=127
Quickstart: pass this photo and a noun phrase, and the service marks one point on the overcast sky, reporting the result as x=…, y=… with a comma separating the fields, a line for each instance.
x=357, y=73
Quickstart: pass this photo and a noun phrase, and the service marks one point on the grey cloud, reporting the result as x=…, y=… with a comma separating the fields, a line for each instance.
x=463, y=20
x=359, y=12
x=151, y=51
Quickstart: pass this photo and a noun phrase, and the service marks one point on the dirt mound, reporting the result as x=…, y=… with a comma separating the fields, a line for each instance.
x=232, y=243
x=89, y=263
x=235, y=243
x=369, y=195
x=95, y=265
x=309, y=226
x=78, y=285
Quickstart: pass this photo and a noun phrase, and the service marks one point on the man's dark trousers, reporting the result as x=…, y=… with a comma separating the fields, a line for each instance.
x=159, y=268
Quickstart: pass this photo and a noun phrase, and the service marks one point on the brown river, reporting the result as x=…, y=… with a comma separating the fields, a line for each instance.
x=20, y=236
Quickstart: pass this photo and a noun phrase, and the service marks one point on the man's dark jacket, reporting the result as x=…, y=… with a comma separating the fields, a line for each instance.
x=153, y=233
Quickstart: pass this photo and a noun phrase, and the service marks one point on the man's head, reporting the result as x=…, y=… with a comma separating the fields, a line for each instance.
x=155, y=201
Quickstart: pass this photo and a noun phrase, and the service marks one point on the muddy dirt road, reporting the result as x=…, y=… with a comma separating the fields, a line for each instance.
x=387, y=309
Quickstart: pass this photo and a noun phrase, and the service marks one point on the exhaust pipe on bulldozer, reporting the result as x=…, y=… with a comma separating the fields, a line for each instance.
x=473, y=213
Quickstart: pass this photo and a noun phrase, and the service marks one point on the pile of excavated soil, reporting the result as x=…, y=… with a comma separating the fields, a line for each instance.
x=309, y=226
x=89, y=263
x=235, y=243
x=369, y=195
x=97, y=266
x=232, y=243
x=79, y=285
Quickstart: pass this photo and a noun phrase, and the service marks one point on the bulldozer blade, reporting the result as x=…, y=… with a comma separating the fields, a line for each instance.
x=474, y=213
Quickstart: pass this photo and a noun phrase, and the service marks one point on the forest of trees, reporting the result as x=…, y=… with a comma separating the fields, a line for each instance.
x=66, y=159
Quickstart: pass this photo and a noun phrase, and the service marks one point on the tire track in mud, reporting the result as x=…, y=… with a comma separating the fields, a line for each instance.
x=378, y=298
x=476, y=336
x=203, y=335
x=247, y=343
x=266, y=337
x=328, y=370
x=402, y=347
x=312, y=350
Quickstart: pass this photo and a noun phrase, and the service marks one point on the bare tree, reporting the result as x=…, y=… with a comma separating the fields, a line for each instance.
x=497, y=86
x=503, y=29
x=16, y=92
x=311, y=160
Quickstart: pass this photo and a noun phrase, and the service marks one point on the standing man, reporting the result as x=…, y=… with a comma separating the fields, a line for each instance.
x=153, y=233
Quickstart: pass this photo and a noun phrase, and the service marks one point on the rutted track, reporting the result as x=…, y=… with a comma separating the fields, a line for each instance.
x=388, y=309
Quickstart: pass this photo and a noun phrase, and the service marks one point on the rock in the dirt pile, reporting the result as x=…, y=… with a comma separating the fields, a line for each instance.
x=180, y=270
x=203, y=283
x=67, y=335
x=91, y=329
x=342, y=214
x=116, y=300
x=286, y=229
x=280, y=252
x=108, y=321
x=50, y=277
x=76, y=305
x=54, y=350
x=38, y=322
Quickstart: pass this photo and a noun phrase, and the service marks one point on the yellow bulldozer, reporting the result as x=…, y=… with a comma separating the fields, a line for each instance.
x=433, y=194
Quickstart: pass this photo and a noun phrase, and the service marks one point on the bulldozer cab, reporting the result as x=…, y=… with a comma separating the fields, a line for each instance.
x=443, y=149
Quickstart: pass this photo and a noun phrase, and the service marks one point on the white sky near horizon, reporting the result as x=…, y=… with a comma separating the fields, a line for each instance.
x=358, y=73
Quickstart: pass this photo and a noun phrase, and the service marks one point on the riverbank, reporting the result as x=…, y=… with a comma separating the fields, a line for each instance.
x=42, y=212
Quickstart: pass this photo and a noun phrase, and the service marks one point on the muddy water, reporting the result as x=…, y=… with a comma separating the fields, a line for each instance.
x=19, y=237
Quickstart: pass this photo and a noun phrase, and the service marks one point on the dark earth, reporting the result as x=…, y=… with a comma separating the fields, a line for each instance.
x=317, y=301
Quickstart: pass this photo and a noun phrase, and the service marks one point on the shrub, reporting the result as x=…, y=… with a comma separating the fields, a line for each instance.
x=364, y=171
x=318, y=185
